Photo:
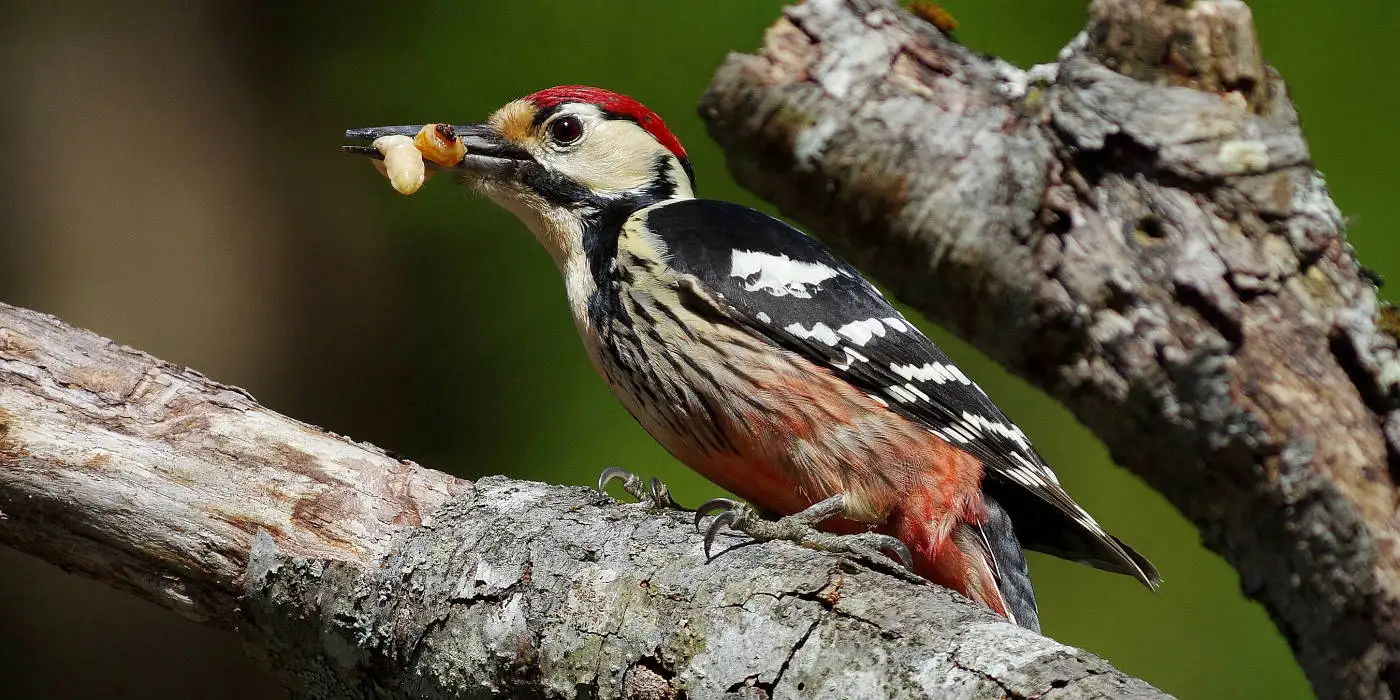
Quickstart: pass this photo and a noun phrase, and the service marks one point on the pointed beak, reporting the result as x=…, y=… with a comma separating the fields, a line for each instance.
x=488, y=154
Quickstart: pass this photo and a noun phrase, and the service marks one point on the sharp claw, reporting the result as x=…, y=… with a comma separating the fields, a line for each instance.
x=612, y=474
x=901, y=550
x=713, y=504
x=720, y=522
x=660, y=496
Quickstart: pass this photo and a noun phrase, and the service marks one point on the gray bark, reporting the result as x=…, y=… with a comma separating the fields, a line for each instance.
x=354, y=574
x=1138, y=230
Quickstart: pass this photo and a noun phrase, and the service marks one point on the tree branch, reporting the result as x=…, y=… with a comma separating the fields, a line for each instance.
x=354, y=574
x=1138, y=230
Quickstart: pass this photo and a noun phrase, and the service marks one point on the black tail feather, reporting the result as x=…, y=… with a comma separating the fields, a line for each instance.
x=1042, y=527
x=1009, y=564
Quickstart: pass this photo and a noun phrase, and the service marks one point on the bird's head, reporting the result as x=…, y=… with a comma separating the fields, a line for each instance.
x=566, y=160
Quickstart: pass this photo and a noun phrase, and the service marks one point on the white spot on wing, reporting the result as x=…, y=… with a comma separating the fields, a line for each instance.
x=958, y=435
x=820, y=332
x=778, y=275
x=765, y=317
x=979, y=425
x=1036, y=469
x=851, y=357
x=928, y=372
x=900, y=394
x=860, y=332
x=957, y=373
x=896, y=324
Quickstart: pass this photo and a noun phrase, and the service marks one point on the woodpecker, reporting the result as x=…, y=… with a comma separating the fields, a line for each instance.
x=760, y=359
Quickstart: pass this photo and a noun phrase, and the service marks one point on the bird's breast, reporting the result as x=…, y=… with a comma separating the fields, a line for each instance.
x=765, y=423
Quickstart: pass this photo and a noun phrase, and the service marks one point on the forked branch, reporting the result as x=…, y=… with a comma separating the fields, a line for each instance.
x=1138, y=230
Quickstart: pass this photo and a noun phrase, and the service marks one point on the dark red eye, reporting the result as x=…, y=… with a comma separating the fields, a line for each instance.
x=566, y=130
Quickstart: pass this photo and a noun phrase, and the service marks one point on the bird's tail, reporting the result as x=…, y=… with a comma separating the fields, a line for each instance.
x=983, y=561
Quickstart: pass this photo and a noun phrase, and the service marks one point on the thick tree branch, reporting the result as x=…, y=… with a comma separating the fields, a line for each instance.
x=1137, y=229
x=354, y=574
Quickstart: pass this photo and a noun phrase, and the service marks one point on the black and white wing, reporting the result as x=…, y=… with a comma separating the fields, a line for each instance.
x=799, y=295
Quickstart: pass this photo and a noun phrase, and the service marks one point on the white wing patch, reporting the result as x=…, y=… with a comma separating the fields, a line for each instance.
x=900, y=394
x=820, y=331
x=935, y=372
x=1032, y=469
x=851, y=357
x=860, y=332
x=978, y=425
x=897, y=324
x=778, y=275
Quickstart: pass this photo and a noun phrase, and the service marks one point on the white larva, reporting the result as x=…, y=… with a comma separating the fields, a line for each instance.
x=403, y=163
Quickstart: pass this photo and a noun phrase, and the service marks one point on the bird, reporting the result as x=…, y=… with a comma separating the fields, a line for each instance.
x=760, y=359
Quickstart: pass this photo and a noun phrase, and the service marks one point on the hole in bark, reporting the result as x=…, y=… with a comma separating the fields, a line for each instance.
x=650, y=679
x=1371, y=393
x=1228, y=328
x=765, y=690
x=1244, y=86
x=1057, y=223
x=1149, y=229
x=1126, y=158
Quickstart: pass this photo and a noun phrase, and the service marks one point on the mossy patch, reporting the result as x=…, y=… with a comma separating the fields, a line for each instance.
x=9, y=448
x=1388, y=320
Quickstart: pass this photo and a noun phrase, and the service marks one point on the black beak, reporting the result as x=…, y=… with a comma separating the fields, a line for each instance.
x=487, y=152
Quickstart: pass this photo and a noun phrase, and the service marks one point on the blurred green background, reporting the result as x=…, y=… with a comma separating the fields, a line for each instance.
x=172, y=181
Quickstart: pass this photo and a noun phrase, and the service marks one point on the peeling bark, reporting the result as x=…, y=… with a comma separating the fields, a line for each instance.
x=1137, y=229
x=355, y=574
x=524, y=588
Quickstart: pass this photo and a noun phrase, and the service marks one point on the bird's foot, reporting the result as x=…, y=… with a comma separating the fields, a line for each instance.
x=652, y=493
x=801, y=529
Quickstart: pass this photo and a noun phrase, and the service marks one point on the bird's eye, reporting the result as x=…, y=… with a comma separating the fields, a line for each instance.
x=566, y=130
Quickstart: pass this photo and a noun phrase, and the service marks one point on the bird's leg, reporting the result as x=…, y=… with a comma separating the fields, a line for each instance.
x=801, y=529
x=654, y=493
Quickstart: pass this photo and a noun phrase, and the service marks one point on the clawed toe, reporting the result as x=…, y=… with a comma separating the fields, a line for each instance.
x=654, y=494
x=879, y=545
x=631, y=483
x=800, y=528
x=661, y=495
x=712, y=506
x=731, y=513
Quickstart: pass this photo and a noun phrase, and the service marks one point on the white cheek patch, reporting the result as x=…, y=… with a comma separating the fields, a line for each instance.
x=615, y=156
x=778, y=275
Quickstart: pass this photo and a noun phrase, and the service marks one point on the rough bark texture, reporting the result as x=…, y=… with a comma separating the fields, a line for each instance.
x=354, y=574
x=154, y=479
x=1138, y=230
